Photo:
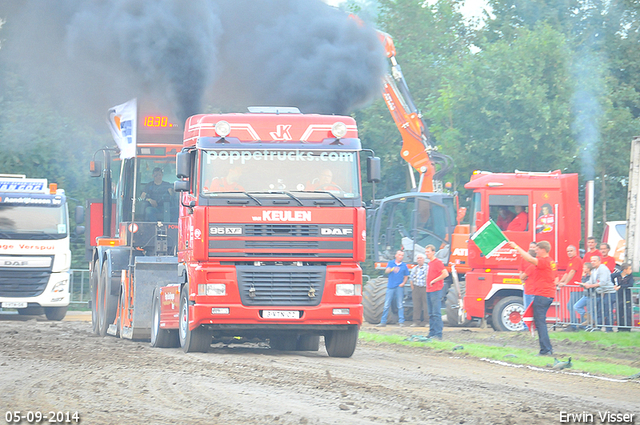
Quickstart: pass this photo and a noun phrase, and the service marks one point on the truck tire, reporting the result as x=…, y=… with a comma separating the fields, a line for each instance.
x=308, y=343
x=507, y=315
x=373, y=299
x=107, y=303
x=373, y=295
x=341, y=343
x=452, y=307
x=94, y=281
x=55, y=313
x=161, y=338
x=191, y=341
x=284, y=342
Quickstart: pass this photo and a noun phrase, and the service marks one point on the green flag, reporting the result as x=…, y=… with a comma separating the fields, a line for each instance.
x=489, y=238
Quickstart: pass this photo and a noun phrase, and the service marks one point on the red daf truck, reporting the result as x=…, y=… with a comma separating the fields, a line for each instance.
x=271, y=232
x=551, y=212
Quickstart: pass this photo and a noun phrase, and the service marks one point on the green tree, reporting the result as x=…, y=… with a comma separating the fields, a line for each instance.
x=41, y=141
x=427, y=38
x=505, y=108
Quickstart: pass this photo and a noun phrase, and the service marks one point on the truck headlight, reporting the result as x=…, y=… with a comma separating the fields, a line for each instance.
x=60, y=286
x=348, y=289
x=216, y=289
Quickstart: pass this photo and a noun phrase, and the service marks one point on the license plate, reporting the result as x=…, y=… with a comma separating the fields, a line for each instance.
x=14, y=305
x=280, y=314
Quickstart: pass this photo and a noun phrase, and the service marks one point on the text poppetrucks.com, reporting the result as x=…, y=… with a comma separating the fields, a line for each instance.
x=606, y=417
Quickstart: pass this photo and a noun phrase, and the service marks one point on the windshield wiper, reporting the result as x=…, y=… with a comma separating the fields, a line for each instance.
x=249, y=196
x=281, y=192
x=325, y=192
x=43, y=236
x=29, y=235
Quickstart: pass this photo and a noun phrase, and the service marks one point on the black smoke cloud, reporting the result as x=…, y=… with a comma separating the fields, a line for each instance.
x=226, y=54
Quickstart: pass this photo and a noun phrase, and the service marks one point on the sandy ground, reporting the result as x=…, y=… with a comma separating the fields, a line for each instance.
x=62, y=367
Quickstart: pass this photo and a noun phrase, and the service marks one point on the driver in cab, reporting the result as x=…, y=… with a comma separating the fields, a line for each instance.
x=324, y=182
x=157, y=193
x=228, y=183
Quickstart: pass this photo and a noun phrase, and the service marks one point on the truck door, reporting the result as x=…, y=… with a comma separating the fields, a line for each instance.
x=411, y=223
x=511, y=212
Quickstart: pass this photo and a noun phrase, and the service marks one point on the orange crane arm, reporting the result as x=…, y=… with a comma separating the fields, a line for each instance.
x=416, y=144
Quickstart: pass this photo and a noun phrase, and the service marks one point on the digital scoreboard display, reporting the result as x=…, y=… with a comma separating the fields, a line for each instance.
x=156, y=121
x=156, y=126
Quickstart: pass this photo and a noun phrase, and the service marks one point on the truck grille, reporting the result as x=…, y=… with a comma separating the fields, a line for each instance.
x=281, y=285
x=283, y=244
x=23, y=282
x=297, y=230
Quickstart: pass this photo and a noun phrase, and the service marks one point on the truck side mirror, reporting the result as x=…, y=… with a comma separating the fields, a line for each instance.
x=373, y=169
x=95, y=168
x=183, y=165
x=479, y=219
x=79, y=214
x=80, y=230
x=462, y=211
x=181, y=185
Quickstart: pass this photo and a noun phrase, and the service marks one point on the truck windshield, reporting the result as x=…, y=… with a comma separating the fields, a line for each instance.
x=257, y=171
x=33, y=222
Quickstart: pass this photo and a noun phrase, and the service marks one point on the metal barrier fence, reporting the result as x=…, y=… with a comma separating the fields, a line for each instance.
x=585, y=309
x=79, y=287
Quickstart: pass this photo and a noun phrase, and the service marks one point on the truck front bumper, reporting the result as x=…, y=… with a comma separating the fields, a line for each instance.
x=322, y=317
x=56, y=294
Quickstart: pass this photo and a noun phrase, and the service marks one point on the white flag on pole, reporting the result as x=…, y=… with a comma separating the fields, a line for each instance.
x=123, y=123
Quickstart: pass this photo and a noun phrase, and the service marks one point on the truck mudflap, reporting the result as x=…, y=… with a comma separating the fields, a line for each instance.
x=149, y=273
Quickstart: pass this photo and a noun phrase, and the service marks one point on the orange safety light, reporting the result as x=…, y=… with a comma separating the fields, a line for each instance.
x=107, y=242
x=53, y=188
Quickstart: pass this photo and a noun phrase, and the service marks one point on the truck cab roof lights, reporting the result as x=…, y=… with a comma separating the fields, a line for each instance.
x=53, y=188
x=214, y=143
x=223, y=128
x=339, y=130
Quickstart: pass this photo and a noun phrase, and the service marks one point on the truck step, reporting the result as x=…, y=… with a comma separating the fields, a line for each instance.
x=112, y=330
x=126, y=332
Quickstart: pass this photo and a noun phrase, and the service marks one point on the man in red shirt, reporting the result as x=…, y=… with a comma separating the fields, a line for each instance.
x=435, y=282
x=605, y=258
x=228, y=183
x=574, y=267
x=519, y=223
x=524, y=265
x=505, y=215
x=542, y=285
x=591, y=250
x=573, y=274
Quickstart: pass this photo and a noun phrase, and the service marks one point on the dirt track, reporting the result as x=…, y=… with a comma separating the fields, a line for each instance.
x=62, y=366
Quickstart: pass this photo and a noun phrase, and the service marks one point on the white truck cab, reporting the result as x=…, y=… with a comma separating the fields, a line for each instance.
x=34, y=247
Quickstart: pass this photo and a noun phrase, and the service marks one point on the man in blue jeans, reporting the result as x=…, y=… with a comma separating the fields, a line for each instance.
x=601, y=282
x=435, y=284
x=398, y=274
x=542, y=285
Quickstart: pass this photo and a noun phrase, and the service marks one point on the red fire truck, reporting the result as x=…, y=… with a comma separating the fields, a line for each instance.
x=271, y=233
x=550, y=211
